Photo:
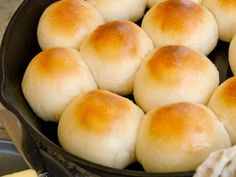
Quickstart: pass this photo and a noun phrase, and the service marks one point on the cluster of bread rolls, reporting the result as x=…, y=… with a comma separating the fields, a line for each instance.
x=94, y=56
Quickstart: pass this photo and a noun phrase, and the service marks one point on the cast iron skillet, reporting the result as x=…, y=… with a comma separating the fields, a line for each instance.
x=11, y=161
x=18, y=47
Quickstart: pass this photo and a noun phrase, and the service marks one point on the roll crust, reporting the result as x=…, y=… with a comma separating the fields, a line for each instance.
x=67, y=23
x=101, y=127
x=53, y=78
x=178, y=137
x=186, y=23
x=172, y=74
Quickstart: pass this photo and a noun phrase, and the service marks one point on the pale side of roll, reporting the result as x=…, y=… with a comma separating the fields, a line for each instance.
x=101, y=127
x=178, y=137
x=113, y=53
x=232, y=55
x=225, y=13
x=151, y=3
x=173, y=74
x=53, y=79
x=181, y=22
x=223, y=103
x=131, y=10
x=67, y=23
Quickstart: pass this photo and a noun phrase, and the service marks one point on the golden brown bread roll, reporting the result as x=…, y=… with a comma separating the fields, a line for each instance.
x=232, y=55
x=53, y=78
x=151, y=3
x=173, y=74
x=111, y=10
x=67, y=23
x=101, y=127
x=113, y=53
x=178, y=137
x=225, y=13
x=181, y=22
x=223, y=103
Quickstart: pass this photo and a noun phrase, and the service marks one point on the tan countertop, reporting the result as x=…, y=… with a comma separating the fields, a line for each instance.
x=7, y=8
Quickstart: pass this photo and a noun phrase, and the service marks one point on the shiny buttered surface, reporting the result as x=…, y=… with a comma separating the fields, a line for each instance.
x=130, y=80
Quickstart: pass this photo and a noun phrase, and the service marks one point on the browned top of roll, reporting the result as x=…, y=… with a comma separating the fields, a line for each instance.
x=71, y=14
x=100, y=111
x=226, y=92
x=56, y=63
x=180, y=122
x=227, y=4
x=177, y=16
x=171, y=64
x=115, y=40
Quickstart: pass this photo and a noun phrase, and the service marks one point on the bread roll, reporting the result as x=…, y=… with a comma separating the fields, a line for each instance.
x=181, y=22
x=67, y=23
x=232, y=55
x=101, y=127
x=111, y=10
x=173, y=74
x=151, y=3
x=114, y=52
x=53, y=79
x=178, y=137
x=225, y=14
x=223, y=103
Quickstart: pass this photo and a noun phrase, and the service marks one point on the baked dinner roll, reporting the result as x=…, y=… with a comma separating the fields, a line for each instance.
x=173, y=74
x=101, y=127
x=232, y=55
x=223, y=103
x=67, y=23
x=111, y=10
x=151, y=3
x=114, y=52
x=53, y=79
x=178, y=137
x=181, y=22
x=225, y=14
